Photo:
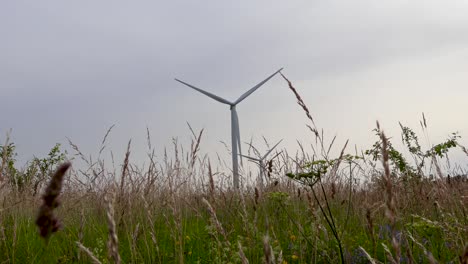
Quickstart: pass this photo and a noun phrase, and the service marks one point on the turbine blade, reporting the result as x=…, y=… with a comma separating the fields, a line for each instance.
x=215, y=97
x=250, y=158
x=249, y=92
x=271, y=149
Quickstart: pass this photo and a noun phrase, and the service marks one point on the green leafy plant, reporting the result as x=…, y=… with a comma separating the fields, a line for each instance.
x=409, y=138
x=36, y=171
x=8, y=157
x=313, y=173
x=394, y=155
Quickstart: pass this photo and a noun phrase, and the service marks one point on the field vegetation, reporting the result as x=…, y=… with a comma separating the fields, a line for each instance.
x=374, y=206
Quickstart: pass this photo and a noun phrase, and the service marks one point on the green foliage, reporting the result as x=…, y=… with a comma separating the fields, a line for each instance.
x=424, y=226
x=444, y=147
x=36, y=170
x=394, y=155
x=315, y=170
x=8, y=159
x=39, y=170
x=48, y=164
x=409, y=138
x=278, y=197
x=411, y=142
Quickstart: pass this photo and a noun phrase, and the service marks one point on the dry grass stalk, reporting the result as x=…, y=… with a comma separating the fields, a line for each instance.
x=391, y=210
x=103, y=146
x=280, y=257
x=409, y=254
x=195, y=147
x=318, y=137
x=123, y=204
x=243, y=258
x=82, y=224
x=389, y=254
x=3, y=236
x=212, y=184
x=371, y=260
x=88, y=252
x=429, y=256
x=215, y=221
x=268, y=251
x=177, y=227
x=148, y=139
x=150, y=220
x=15, y=234
x=125, y=170
x=438, y=170
x=464, y=256
x=46, y=220
x=81, y=229
x=113, y=241
x=310, y=203
x=151, y=224
x=333, y=174
x=464, y=149
x=79, y=153
x=135, y=237
x=370, y=228
x=303, y=105
x=439, y=210
x=244, y=214
x=257, y=196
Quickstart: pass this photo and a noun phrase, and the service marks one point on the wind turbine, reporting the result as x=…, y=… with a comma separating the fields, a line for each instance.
x=235, y=132
x=260, y=163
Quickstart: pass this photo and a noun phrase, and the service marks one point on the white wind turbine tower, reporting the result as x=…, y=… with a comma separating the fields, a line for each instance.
x=235, y=132
x=260, y=162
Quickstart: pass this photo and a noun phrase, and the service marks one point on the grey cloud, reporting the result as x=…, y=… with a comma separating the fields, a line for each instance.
x=99, y=62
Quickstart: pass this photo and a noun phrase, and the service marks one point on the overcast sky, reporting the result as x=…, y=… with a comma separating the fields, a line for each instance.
x=74, y=68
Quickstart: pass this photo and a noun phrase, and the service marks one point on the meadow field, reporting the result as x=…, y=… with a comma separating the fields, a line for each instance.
x=377, y=206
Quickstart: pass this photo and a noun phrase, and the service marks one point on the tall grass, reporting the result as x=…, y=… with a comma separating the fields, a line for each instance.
x=345, y=209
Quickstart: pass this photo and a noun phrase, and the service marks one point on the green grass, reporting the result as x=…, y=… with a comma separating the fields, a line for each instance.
x=296, y=228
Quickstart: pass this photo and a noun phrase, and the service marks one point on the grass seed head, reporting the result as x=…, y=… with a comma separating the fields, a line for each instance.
x=46, y=220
